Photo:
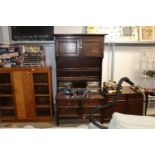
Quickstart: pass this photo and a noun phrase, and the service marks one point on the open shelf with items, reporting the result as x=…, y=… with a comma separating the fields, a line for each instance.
x=79, y=64
x=26, y=94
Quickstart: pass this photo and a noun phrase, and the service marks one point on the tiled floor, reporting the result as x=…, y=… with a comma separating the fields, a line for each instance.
x=63, y=123
x=150, y=111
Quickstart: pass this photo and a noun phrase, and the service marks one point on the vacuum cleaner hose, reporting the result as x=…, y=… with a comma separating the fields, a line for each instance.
x=108, y=104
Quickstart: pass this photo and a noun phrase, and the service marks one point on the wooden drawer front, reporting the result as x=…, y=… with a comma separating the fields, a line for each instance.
x=111, y=98
x=135, y=97
x=88, y=110
x=69, y=112
x=68, y=103
x=91, y=103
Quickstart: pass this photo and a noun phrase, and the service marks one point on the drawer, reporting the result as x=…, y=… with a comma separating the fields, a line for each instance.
x=88, y=110
x=135, y=97
x=72, y=103
x=69, y=112
x=111, y=98
x=91, y=103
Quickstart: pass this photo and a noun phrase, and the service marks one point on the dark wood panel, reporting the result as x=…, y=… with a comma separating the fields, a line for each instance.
x=67, y=47
x=92, y=46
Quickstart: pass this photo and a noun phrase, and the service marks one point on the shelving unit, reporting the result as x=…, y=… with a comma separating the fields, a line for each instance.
x=26, y=94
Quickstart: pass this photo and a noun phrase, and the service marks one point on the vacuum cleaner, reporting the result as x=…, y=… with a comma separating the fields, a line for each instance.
x=109, y=104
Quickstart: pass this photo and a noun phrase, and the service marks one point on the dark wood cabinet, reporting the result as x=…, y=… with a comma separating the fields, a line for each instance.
x=129, y=102
x=79, y=62
x=79, y=45
x=26, y=94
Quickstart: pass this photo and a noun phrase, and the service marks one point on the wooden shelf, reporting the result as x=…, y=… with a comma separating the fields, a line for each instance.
x=80, y=78
x=5, y=84
x=6, y=95
x=42, y=106
x=41, y=84
x=7, y=108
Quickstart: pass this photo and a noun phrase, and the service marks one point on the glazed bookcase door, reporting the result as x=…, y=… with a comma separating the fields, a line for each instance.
x=7, y=106
x=42, y=92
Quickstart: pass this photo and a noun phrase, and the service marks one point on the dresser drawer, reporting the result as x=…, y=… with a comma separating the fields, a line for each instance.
x=91, y=103
x=64, y=112
x=111, y=98
x=68, y=103
x=135, y=97
x=88, y=110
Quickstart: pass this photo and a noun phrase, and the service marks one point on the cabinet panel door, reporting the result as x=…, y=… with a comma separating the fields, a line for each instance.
x=67, y=47
x=24, y=96
x=92, y=46
x=135, y=107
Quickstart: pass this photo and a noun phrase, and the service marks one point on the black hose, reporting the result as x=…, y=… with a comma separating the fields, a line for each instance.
x=108, y=104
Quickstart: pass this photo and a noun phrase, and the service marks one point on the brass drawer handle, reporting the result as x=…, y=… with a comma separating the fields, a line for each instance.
x=68, y=103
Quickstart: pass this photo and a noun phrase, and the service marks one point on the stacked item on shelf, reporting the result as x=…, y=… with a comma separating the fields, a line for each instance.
x=110, y=87
x=32, y=55
x=150, y=73
x=66, y=88
x=93, y=86
x=9, y=56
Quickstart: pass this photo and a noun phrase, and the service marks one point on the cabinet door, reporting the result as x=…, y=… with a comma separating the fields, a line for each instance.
x=92, y=46
x=135, y=104
x=67, y=47
x=42, y=93
x=7, y=106
x=23, y=88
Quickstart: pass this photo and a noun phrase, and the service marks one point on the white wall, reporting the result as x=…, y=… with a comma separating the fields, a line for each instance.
x=4, y=35
x=126, y=63
x=68, y=29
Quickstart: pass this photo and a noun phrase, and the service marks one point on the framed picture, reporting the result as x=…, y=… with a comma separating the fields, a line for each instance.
x=113, y=33
x=146, y=33
x=128, y=33
x=94, y=29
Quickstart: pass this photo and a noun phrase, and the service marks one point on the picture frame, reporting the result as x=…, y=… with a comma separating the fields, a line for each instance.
x=146, y=33
x=128, y=33
x=94, y=29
